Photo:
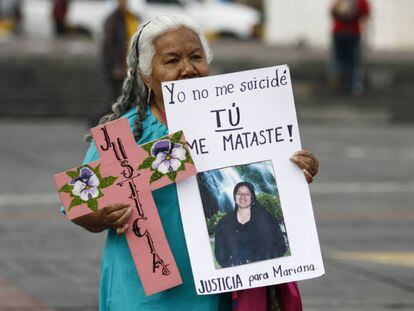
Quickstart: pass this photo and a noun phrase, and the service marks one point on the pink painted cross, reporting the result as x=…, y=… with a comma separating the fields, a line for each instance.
x=128, y=173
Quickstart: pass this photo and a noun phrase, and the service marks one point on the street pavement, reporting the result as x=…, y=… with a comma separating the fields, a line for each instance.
x=363, y=202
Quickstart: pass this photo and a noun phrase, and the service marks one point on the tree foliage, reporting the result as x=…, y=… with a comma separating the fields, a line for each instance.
x=271, y=203
x=213, y=221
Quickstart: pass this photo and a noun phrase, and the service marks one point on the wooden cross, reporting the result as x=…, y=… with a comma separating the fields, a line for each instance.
x=128, y=173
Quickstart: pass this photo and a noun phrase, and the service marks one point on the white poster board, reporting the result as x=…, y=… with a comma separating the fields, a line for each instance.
x=243, y=126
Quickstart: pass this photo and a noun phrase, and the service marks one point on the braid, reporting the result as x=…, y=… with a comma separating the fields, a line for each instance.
x=141, y=91
x=141, y=110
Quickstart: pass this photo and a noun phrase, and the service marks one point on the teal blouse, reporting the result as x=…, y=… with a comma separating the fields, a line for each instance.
x=120, y=287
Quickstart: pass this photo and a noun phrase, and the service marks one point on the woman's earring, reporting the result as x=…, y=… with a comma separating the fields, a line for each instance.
x=149, y=96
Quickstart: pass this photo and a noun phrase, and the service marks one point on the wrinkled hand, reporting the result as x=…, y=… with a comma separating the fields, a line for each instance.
x=116, y=216
x=307, y=163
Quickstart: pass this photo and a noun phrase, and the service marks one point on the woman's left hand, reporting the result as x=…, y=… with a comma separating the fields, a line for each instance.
x=307, y=163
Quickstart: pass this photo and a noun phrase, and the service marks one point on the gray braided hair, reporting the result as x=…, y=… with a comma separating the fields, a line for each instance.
x=141, y=51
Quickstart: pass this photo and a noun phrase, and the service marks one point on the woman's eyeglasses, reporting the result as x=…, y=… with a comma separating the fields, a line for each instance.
x=242, y=194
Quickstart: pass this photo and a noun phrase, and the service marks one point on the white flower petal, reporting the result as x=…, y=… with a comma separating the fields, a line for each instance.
x=78, y=187
x=164, y=167
x=85, y=195
x=94, y=192
x=93, y=181
x=158, y=160
x=178, y=153
x=175, y=164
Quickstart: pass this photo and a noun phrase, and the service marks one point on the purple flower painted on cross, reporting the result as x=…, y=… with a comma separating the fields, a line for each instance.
x=168, y=156
x=86, y=185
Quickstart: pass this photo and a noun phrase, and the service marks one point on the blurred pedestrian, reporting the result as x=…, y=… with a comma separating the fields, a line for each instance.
x=10, y=17
x=349, y=19
x=119, y=27
x=59, y=12
x=61, y=26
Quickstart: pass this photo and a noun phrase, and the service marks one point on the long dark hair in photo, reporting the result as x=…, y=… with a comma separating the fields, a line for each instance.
x=251, y=189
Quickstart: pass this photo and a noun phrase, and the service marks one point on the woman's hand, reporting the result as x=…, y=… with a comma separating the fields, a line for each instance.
x=307, y=163
x=116, y=216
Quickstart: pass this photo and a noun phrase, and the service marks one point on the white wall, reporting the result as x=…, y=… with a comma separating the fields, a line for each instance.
x=391, y=25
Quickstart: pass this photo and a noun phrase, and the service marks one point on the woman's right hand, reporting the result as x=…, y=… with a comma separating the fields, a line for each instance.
x=113, y=216
x=116, y=216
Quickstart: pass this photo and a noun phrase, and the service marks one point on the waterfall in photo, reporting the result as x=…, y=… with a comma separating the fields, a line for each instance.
x=216, y=186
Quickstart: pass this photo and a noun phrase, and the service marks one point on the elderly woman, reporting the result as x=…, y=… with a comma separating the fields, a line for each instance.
x=163, y=49
x=249, y=233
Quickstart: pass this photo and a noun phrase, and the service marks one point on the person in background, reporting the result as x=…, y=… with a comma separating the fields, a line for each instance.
x=61, y=26
x=59, y=12
x=164, y=49
x=349, y=19
x=119, y=27
x=10, y=17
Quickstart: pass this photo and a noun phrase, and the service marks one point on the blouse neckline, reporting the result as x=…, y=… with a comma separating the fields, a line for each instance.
x=149, y=121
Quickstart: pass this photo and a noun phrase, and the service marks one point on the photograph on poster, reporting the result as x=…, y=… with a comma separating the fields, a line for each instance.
x=243, y=214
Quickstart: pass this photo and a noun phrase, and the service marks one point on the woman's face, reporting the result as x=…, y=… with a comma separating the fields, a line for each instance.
x=178, y=55
x=243, y=197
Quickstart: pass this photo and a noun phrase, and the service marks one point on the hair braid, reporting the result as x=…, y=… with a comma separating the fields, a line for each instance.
x=140, y=89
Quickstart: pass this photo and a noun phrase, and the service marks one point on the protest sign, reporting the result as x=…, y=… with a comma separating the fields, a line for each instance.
x=242, y=127
x=128, y=173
